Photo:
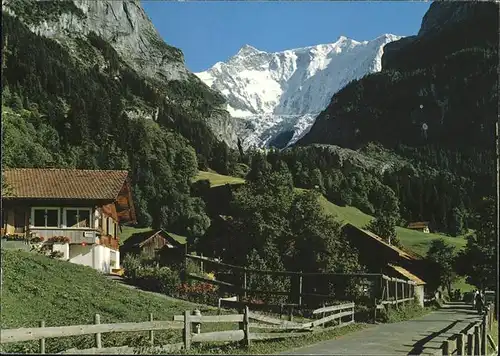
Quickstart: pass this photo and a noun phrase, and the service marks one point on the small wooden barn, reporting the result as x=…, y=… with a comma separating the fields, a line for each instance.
x=422, y=226
x=151, y=244
x=381, y=257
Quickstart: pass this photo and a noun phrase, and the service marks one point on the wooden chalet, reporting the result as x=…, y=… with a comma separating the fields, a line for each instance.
x=85, y=206
x=381, y=257
x=422, y=226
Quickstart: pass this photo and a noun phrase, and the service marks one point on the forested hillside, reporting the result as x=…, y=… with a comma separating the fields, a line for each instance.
x=84, y=107
x=434, y=105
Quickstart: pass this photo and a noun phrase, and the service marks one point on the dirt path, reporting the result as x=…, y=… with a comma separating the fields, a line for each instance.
x=420, y=336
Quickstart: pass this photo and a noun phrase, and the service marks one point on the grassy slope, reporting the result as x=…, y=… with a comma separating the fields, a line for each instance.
x=218, y=179
x=414, y=240
x=38, y=288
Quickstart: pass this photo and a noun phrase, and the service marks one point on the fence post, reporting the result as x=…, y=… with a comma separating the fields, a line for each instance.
x=477, y=339
x=42, y=341
x=187, y=330
x=185, y=262
x=396, y=293
x=245, y=283
x=446, y=347
x=97, y=320
x=470, y=344
x=246, y=327
x=461, y=344
x=201, y=263
x=151, y=333
x=300, y=288
x=377, y=291
x=490, y=313
x=197, y=325
x=484, y=333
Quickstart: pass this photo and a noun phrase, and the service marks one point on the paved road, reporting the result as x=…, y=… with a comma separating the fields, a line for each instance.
x=419, y=336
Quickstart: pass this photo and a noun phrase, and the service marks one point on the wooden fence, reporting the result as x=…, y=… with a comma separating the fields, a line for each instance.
x=191, y=324
x=384, y=291
x=473, y=340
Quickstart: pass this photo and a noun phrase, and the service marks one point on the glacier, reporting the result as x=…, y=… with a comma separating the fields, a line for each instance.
x=274, y=98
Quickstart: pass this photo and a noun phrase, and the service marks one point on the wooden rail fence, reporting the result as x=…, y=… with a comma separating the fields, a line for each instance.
x=191, y=323
x=474, y=339
x=386, y=290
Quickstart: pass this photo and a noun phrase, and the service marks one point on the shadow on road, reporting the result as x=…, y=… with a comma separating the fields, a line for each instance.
x=418, y=347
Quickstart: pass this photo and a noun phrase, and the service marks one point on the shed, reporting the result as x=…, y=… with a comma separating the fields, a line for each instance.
x=150, y=243
x=400, y=272
x=381, y=257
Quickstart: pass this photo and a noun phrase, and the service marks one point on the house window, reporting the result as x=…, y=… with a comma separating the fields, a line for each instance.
x=45, y=217
x=77, y=217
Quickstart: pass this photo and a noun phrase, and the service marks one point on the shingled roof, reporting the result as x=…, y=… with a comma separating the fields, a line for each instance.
x=404, y=254
x=42, y=183
x=407, y=274
x=418, y=225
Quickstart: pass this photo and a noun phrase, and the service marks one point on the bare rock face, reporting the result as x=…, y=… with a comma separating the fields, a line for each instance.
x=128, y=29
x=123, y=24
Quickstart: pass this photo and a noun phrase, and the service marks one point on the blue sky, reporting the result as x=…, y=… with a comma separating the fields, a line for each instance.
x=209, y=32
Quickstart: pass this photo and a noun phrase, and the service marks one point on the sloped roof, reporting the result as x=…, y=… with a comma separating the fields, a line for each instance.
x=370, y=234
x=42, y=183
x=140, y=238
x=407, y=274
x=418, y=225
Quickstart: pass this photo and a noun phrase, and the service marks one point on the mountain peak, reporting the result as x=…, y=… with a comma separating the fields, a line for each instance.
x=280, y=93
x=247, y=50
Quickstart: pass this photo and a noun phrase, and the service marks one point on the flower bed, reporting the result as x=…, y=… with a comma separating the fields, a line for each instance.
x=9, y=237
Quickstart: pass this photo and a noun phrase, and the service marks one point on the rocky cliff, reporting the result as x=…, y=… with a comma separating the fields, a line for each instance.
x=125, y=26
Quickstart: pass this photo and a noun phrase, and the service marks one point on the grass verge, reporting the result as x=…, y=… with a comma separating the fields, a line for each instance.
x=406, y=311
x=274, y=346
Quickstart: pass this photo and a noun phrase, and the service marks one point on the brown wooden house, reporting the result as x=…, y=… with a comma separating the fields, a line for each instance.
x=422, y=226
x=151, y=244
x=381, y=257
x=85, y=206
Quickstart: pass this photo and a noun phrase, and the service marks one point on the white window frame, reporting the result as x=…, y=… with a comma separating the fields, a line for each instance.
x=65, y=221
x=32, y=223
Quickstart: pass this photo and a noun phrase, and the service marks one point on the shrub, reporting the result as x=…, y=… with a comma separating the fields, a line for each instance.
x=159, y=279
x=199, y=292
x=406, y=311
x=58, y=239
x=131, y=265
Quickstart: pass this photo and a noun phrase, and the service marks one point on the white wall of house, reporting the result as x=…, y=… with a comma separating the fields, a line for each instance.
x=63, y=248
x=81, y=255
x=419, y=293
x=98, y=257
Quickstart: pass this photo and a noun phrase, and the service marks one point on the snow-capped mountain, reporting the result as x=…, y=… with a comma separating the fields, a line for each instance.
x=277, y=96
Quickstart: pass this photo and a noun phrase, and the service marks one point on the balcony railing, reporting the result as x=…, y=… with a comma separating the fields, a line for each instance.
x=75, y=235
